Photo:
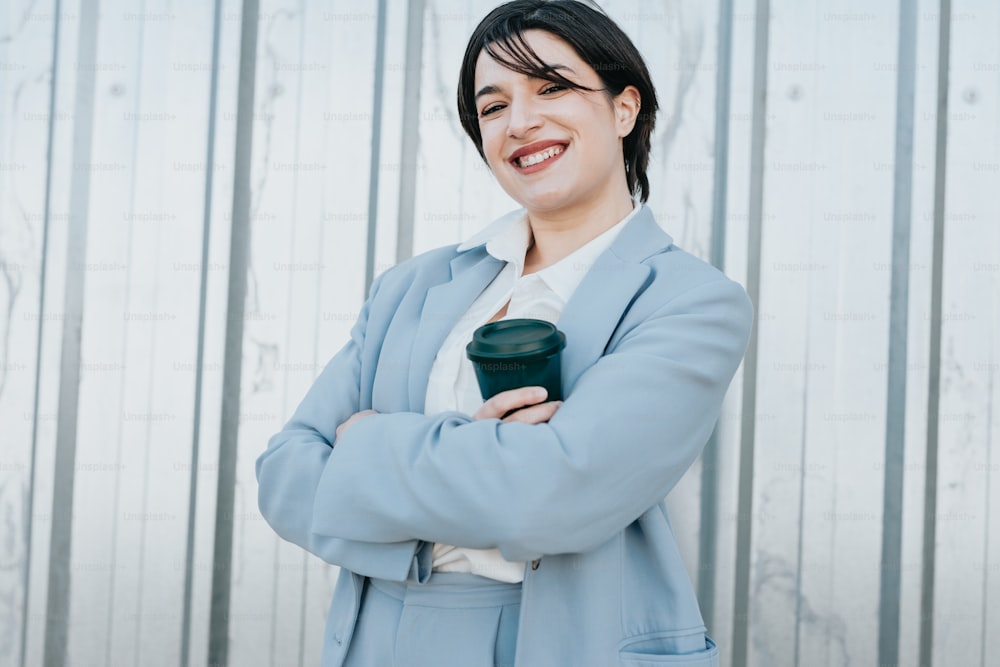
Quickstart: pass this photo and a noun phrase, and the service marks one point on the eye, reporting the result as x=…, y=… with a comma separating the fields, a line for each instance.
x=491, y=109
x=554, y=88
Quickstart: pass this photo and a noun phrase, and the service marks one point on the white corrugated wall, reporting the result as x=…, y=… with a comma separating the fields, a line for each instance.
x=192, y=205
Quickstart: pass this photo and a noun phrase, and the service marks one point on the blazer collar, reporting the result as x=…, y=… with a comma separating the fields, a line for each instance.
x=642, y=238
x=588, y=320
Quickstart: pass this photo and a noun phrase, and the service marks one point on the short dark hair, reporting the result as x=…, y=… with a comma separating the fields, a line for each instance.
x=596, y=39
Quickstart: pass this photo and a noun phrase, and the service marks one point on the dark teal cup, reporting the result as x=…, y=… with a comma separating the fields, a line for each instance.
x=514, y=353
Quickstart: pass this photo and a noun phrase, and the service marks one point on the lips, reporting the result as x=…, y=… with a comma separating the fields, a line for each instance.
x=551, y=151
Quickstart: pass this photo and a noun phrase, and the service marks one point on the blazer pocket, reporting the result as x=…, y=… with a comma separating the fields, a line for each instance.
x=660, y=649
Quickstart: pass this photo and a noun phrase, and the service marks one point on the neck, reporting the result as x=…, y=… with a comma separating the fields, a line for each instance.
x=559, y=233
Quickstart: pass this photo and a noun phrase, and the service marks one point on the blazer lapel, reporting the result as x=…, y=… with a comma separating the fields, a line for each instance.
x=593, y=312
x=596, y=307
x=471, y=272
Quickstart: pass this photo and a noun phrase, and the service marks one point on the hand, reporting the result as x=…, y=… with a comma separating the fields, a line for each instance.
x=508, y=406
x=357, y=416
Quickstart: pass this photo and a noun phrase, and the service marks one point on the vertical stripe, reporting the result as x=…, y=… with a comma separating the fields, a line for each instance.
x=58, y=604
x=710, y=458
x=304, y=556
x=986, y=629
x=112, y=584
x=934, y=362
x=801, y=527
x=892, y=504
x=123, y=388
x=200, y=354
x=373, y=169
x=218, y=634
x=744, y=522
x=29, y=511
x=301, y=15
x=411, y=129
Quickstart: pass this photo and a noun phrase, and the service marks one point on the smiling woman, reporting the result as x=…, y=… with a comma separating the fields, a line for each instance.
x=556, y=148
x=515, y=530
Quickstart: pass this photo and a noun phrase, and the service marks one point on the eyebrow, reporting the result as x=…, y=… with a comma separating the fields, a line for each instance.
x=487, y=90
x=491, y=88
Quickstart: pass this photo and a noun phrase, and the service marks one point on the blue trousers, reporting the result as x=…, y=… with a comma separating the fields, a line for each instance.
x=454, y=619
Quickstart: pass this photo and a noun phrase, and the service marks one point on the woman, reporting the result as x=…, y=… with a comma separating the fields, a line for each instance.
x=538, y=539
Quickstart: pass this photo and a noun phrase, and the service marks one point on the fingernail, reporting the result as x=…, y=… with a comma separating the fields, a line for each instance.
x=541, y=392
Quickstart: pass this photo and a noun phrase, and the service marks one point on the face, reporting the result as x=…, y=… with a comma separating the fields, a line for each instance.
x=550, y=147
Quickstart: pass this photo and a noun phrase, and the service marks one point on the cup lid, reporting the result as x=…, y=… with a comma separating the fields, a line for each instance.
x=523, y=337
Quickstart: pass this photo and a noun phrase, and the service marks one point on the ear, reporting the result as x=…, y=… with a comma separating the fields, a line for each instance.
x=626, y=107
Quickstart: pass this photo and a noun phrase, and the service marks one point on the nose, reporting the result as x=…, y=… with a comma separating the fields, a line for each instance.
x=522, y=118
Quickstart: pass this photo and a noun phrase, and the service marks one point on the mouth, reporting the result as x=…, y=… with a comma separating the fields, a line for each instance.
x=536, y=157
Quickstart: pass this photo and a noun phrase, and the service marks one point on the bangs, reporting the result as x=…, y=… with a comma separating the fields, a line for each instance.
x=514, y=53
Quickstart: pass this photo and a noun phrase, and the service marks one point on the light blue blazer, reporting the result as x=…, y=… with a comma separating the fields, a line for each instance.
x=653, y=338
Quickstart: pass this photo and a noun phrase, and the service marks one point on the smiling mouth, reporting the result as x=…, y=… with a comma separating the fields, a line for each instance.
x=536, y=158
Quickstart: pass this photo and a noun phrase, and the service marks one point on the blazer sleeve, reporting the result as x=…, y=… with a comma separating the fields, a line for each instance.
x=289, y=471
x=629, y=429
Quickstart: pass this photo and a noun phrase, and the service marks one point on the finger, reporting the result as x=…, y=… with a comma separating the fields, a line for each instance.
x=343, y=427
x=353, y=418
x=512, y=399
x=535, y=414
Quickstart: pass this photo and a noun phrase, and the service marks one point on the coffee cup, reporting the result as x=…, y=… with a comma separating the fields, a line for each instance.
x=520, y=352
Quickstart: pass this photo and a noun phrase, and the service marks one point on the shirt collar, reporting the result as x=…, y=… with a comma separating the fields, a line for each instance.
x=493, y=229
x=507, y=238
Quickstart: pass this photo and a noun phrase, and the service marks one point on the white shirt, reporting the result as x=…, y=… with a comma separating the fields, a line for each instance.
x=541, y=295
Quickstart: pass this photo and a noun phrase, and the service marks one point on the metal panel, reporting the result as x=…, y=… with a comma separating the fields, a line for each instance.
x=390, y=130
x=222, y=616
x=28, y=53
x=743, y=514
x=817, y=477
x=892, y=503
x=140, y=328
x=741, y=262
x=203, y=272
x=60, y=172
x=927, y=158
x=61, y=526
x=285, y=266
x=374, y=164
x=216, y=296
x=708, y=530
x=967, y=564
x=411, y=129
x=99, y=568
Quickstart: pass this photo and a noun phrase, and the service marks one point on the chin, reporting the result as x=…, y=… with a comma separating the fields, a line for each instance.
x=542, y=201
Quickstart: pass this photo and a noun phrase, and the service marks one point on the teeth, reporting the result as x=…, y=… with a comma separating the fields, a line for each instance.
x=541, y=156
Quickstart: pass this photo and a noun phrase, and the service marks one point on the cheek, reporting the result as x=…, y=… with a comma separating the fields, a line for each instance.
x=492, y=142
